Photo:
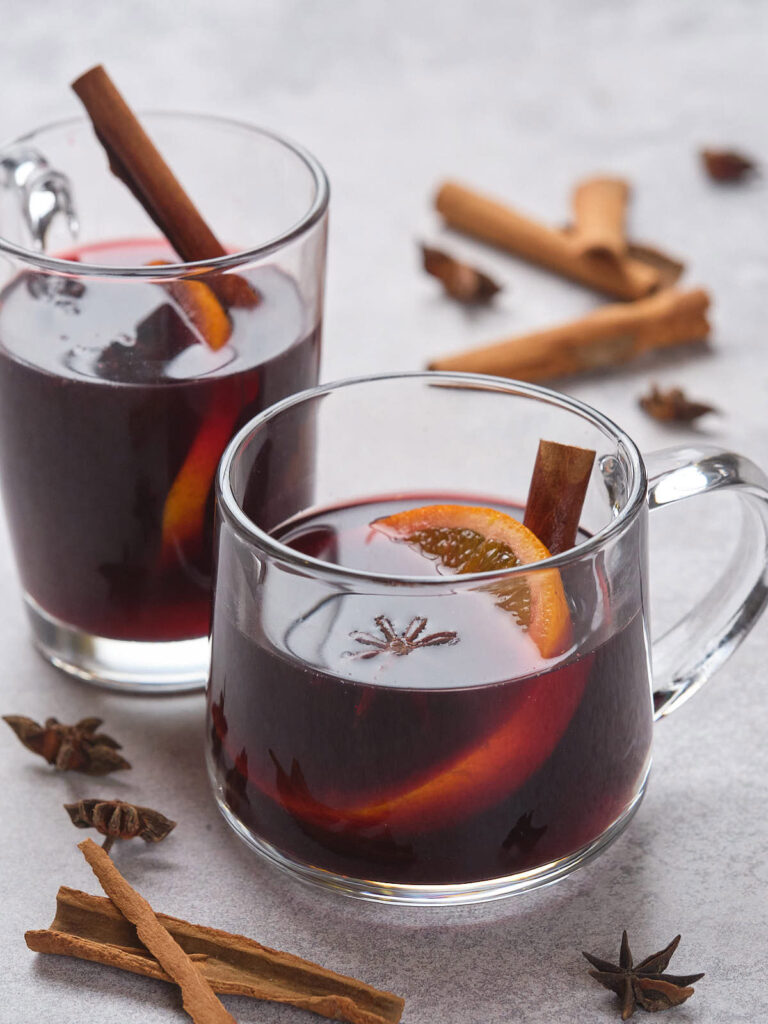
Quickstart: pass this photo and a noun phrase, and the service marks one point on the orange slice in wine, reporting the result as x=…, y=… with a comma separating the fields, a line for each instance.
x=500, y=760
x=467, y=539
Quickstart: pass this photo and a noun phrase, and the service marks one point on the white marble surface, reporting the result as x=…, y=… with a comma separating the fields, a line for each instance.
x=521, y=99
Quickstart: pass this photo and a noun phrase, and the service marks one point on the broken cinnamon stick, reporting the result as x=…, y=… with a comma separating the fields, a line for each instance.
x=599, y=214
x=492, y=221
x=556, y=496
x=607, y=337
x=198, y=998
x=91, y=928
x=134, y=159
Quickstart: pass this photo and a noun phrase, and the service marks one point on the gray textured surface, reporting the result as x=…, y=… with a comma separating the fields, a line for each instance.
x=521, y=99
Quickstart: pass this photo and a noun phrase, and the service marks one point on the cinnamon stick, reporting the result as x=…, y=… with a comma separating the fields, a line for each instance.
x=198, y=998
x=556, y=496
x=607, y=337
x=134, y=159
x=492, y=221
x=599, y=214
x=91, y=928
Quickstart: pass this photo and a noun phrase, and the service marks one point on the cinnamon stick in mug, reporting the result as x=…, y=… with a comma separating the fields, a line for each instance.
x=609, y=336
x=599, y=216
x=495, y=222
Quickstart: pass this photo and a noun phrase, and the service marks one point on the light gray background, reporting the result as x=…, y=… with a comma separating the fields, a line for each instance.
x=520, y=98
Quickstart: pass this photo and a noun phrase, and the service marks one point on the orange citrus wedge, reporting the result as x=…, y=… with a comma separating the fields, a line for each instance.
x=467, y=539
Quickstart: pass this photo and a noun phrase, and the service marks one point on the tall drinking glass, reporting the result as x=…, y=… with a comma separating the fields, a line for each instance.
x=117, y=396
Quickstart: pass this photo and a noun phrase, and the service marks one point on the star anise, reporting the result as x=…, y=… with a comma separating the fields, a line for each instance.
x=726, y=165
x=77, y=747
x=118, y=820
x=462, y=282
x=673, y=406
x=392, y=642
x=643, y=984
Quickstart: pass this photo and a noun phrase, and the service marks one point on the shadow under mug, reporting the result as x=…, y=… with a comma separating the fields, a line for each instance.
x=426, y=779
x=115, y=405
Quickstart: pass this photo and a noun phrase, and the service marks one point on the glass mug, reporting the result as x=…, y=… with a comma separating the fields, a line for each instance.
x=115, y=405
x=399, y=736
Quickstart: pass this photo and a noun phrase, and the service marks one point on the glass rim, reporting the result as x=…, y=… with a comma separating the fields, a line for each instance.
x=231, y=508
x=313, y=214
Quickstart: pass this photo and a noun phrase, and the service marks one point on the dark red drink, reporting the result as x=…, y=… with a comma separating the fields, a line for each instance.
x=113, y=413
x=419, y=740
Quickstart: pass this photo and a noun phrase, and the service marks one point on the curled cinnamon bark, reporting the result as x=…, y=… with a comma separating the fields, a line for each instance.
x=495, y=222
x=607, y=337
x=91, y=928
x=599, y=214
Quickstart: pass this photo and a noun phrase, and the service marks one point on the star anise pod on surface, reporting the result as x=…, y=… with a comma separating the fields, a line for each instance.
x=673, y=406
x=118, y=820
x=643, y=984
x=464, y=283
x=726, y=165
x=77, y=747
x=392, y=642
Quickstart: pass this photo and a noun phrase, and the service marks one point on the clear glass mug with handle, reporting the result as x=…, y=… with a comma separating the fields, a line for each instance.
x=122, y=378
x=388, y=729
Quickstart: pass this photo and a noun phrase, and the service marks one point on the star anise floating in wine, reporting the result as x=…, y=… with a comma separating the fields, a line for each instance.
x=116, y=819
x=643, y=984
x=77, y=747
x=392, y=642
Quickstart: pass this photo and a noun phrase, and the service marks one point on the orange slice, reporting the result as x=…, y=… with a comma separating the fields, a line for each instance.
x=467, y=539
x=198, y=301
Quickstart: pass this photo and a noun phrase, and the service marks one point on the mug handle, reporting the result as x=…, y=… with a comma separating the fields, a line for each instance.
x=702, y=640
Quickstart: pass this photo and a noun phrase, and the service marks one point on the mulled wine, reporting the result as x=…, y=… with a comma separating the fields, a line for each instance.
x=114, y=411
x=417, y=739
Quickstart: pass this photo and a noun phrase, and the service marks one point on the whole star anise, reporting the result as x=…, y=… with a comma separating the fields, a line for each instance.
x=77, y=747
x=462, y=282
x=392, y=642
x=673, y=406
x=643, y=984
x=118, y=820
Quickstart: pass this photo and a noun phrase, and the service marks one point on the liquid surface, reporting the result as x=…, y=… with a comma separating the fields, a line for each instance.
x=135, y=331
x=340, y=633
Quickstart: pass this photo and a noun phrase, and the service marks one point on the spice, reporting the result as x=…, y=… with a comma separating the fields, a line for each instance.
x=77, y=747
x=491, y=221
x=198, y=998
x=118, y=820
x=607, y=337
x=726, y=165
x=556, y=496
x=91, y=928
x=672, y=406
x=462, y=282
x=643, y=984
x=392, y=642
x=134, y=159
x=599, y=213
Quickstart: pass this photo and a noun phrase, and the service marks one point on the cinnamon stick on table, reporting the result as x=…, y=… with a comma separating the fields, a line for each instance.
x=599, y=215
x=198, y=997
x=556, y=496
x=609, y=336
x=495, y=222
x=134, y=159
x=91, y=928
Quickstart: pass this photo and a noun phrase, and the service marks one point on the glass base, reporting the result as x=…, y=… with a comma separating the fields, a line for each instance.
x=432, y=895
x=132, y=666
